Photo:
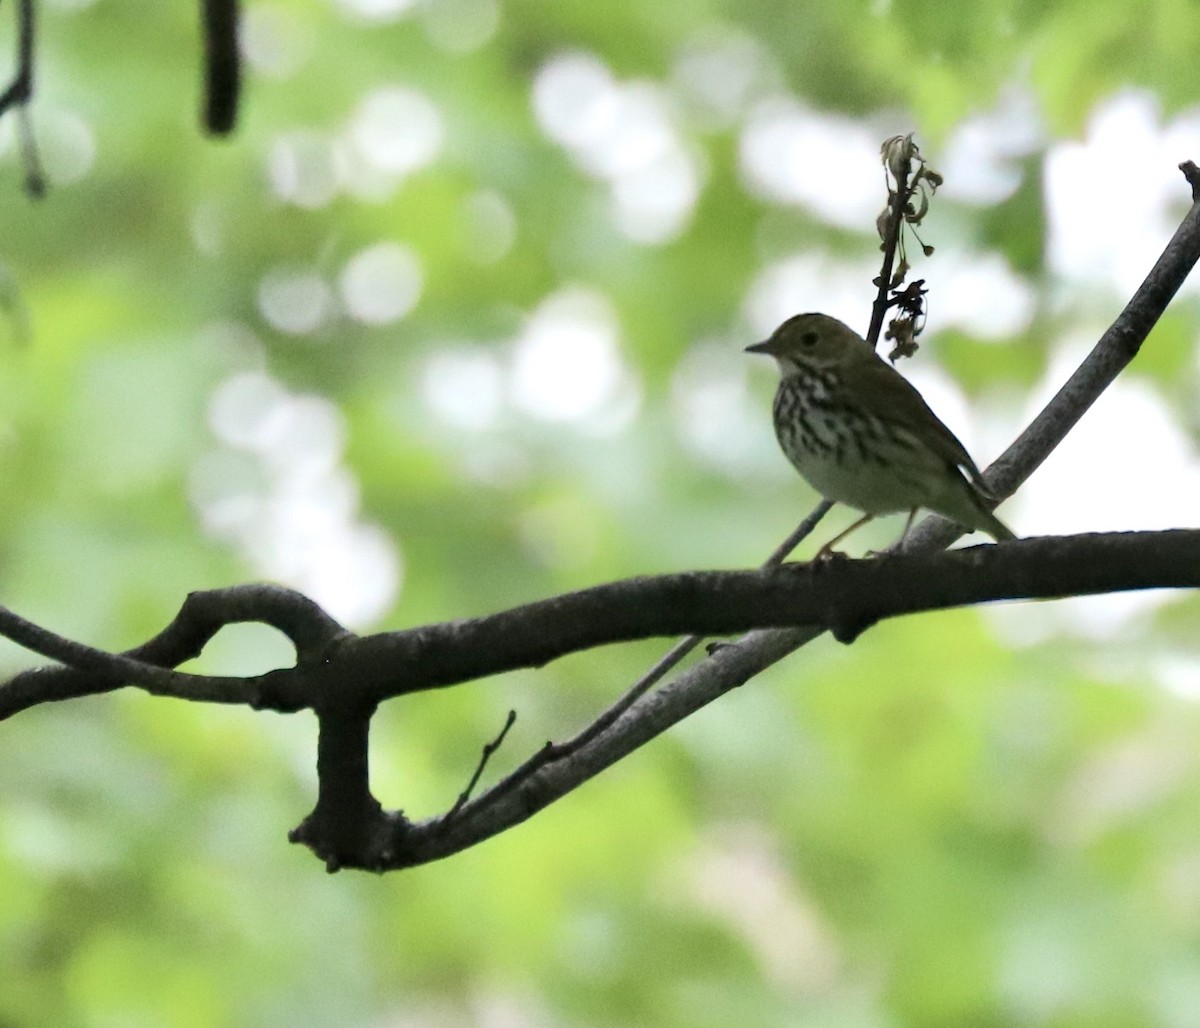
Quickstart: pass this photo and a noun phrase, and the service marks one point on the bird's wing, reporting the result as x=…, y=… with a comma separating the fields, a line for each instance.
x=900, y=403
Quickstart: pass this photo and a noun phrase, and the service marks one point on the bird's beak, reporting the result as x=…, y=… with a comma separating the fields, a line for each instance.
x=763, y=347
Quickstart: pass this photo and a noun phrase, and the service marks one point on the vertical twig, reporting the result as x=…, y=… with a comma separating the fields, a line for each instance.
x=488, y=751
x=19, y=93
x=901, y=170
x=222, y=65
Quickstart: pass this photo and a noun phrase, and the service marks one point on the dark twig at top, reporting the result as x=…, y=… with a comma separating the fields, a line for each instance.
x=222, y=65
x=19, y=94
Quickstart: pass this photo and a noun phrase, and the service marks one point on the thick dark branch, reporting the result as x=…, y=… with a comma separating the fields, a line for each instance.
x=342, y=677
x=841, y=595
x=347, y=818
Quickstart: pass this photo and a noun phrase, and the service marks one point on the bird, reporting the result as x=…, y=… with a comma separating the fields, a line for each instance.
x=860, y=434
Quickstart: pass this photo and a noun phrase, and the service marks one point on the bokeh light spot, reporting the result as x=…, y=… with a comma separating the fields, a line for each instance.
x=295, y=301
x=574, y=98
x=654, y=203
x=277, y=42
x=811, y=282
x=381, y=284
x=491, y=226
x=565, y=364
x=981, y=294
x=67, y=144
x=827, y=163
x=463, y=386
x=303, y=168
x=377, y=10
x=397, y=129
x=461, y=26
x=278, y=492
x=719, y=72
x=626, y=135
x=1123, y=132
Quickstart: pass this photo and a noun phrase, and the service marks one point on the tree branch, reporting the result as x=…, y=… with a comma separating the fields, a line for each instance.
x=845, y=598
x=841, y=595
x=89, y=671
x=343, y=678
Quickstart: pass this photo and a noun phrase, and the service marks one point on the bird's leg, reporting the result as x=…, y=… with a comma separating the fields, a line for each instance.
x=826, y=551
x=898, y=545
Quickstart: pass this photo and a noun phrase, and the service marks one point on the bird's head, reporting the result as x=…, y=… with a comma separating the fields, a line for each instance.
x=808, y=341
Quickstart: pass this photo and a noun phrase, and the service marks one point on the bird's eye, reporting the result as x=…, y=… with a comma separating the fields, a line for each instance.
x=808, y=339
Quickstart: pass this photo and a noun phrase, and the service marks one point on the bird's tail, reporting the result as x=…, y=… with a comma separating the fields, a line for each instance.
x=996, y=528
x=984, y=501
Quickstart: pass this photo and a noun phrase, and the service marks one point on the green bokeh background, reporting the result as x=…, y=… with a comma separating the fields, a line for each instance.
x=926, y=828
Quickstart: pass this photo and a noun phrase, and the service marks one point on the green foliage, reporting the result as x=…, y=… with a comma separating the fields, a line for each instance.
x=963, y=819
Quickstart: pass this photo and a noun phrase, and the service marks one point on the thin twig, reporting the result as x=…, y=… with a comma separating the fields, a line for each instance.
x=488, y=750
x=1192, y=173
x=891, y=243
x=799, y=534
x=552, y=752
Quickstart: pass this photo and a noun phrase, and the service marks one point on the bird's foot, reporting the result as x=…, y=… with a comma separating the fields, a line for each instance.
x=827, y=555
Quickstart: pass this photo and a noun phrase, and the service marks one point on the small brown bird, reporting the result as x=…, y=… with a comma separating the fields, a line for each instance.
x=861, y=435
